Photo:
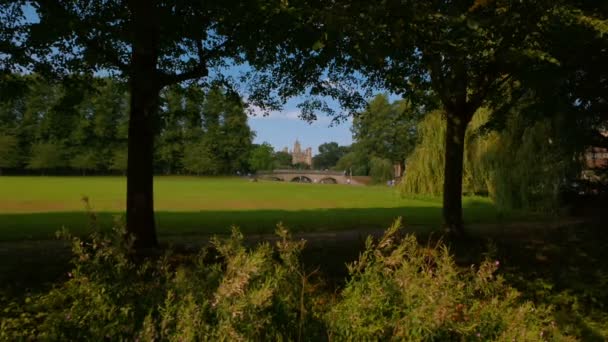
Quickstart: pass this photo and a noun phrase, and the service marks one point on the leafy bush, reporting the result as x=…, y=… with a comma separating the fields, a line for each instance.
x=400, y=290
x=250, y=295
x=397, y=290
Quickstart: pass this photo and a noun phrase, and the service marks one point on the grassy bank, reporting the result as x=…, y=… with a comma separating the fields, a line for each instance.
x=36, y=207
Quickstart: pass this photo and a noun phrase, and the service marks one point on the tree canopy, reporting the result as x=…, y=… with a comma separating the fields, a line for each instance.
x=262, y=157
x=150, y=44
x=96, y=141
x=458, y=56
x=328, y=156
x=387, y=130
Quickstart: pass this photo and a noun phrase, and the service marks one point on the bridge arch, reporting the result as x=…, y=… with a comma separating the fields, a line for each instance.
x=301, y=179
x=277, y=179
x=328, y=180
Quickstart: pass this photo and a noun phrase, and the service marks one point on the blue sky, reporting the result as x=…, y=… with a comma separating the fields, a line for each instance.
x=281, y=129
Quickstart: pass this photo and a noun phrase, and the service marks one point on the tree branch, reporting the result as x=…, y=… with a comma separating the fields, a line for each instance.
x=438, y=82
x=109, y=55
x=198, y=71
x=481, y=95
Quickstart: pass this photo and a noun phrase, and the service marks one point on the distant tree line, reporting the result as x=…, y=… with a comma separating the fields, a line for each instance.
x=384, y=135
x=54, y=129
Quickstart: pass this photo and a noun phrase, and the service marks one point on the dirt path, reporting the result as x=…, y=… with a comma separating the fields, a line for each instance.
x=35, y=262
x=511, y=229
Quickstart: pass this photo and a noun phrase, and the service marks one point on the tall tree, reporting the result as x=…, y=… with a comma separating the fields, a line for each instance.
x=261, y=158
x=170, y=131
x=282, y=160
x=149, y=43
x=200, y=159
x=387, y=130
x=47, y=156
x=9, y=153
x=226, y=128
x=85, y=160
x=329, y=154
x=464, y=53
x=357, y=161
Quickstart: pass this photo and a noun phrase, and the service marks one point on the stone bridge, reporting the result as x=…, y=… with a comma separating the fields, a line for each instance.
x=312, y=176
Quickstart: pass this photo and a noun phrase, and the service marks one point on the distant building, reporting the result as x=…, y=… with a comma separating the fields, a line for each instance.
x=597, y=157
x=299, y=156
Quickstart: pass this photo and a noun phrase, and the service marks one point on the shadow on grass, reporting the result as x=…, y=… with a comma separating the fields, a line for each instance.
x=564, y=267
x=32, y=256
x=39, y=226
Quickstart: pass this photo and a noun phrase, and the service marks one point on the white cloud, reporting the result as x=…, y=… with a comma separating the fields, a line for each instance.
x=291, y=114
x=257, y=113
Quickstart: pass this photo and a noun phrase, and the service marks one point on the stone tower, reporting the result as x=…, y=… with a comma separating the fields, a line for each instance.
x=299, y=156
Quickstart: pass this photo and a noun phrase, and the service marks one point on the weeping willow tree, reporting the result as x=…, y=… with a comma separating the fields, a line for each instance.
x=529, y=164
x=521, y=167
x=424, y=167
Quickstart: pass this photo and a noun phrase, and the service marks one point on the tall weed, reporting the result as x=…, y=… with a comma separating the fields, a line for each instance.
x=397, y=289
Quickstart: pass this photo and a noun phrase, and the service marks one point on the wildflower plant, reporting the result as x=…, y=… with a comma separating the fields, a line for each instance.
x=400, y=290
x=397, y=289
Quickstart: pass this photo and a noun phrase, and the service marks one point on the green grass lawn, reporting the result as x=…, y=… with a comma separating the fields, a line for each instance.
x=562, y=267
x=36, y=207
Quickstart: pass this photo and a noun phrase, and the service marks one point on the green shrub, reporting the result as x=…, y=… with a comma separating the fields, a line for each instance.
x=397, y=290
x=104, y=296
x=239, y=294
x=403, y=291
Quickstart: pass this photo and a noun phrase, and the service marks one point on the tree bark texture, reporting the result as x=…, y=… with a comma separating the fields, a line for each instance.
x=145, y=92
x=454, y=159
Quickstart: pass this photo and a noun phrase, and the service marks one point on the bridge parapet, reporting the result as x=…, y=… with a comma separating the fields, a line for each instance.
x=292, y=171
x=312, y=176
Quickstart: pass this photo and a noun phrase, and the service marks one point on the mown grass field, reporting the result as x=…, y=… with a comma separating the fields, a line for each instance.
x=563, y=267
x=36, y=207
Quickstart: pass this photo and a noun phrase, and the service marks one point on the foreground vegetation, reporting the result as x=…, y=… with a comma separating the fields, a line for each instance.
x=563, y=269
x=397, y=289
x=35, y=207
x=290, y=291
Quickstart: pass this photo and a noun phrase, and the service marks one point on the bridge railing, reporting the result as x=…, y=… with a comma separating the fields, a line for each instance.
x=299, y=172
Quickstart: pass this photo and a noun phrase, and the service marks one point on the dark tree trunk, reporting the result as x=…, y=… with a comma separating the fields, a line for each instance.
x=145, y=92
x=454, y=158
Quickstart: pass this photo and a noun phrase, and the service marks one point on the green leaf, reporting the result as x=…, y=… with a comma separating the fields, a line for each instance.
x=318, y=45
